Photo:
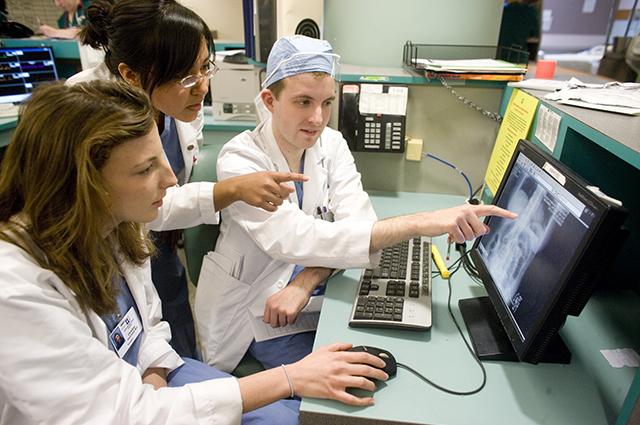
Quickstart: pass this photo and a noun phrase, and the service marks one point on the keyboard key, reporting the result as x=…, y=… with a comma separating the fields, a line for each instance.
x=385, y=291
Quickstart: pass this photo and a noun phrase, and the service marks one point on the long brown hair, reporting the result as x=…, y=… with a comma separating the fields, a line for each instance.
x=53, y=201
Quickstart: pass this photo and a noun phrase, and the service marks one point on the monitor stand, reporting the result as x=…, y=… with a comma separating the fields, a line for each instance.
x=491, y=342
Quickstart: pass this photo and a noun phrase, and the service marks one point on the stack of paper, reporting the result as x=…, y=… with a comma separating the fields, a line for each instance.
x=622, y=98
x=485, y=66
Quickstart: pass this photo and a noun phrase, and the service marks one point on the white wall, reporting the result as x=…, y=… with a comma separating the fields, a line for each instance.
x=373, y=32
x=224, y=16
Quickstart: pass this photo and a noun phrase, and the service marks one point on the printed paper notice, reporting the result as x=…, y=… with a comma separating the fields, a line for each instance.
x=374, y=101
x=547, y=128
x=515, y=126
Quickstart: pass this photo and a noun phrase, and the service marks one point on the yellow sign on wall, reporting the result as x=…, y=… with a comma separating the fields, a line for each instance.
x=515, y=126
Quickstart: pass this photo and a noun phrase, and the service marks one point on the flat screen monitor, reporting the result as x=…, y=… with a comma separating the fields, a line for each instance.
x=543, y=265
x=22, y=69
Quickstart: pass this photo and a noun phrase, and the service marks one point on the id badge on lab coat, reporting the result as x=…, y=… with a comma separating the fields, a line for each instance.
x=125, y=333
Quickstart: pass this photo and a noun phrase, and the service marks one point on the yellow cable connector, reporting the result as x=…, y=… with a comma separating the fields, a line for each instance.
x=442, y=267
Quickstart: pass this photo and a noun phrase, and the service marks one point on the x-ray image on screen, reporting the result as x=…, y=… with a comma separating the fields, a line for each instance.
x=525, y=257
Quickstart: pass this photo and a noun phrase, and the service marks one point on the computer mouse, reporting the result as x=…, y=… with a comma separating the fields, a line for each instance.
x=390, y=368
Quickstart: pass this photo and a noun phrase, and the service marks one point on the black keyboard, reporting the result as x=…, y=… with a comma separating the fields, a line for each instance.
x=397, y=294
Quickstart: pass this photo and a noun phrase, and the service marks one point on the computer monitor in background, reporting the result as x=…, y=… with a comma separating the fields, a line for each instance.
x=22, y=69
x=542, y=266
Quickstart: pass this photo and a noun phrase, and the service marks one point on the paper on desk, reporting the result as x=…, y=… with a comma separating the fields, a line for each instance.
x=487, y=66
x=307, y=318
x=539, y=84
x=622, y=357
x=374, y=101
x=613, y=97
x=607, y=108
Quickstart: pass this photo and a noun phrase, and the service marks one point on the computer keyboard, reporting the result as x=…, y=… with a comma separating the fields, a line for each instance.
x=397, y=294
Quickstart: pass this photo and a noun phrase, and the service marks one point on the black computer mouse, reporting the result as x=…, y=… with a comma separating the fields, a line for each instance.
x=390, y=368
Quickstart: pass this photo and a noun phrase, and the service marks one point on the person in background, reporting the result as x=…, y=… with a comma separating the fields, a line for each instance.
x=84, y=169
x=165, y=48
x=274, y=262
x=70, y=21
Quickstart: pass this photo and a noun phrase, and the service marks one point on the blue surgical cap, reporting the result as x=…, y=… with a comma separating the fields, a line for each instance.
x=296, y=55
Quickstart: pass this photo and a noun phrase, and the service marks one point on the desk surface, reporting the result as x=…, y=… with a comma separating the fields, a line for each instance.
x=587, y=391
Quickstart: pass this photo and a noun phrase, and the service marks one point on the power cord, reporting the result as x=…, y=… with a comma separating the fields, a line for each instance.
x=457, y=263
x=449, y=164
x=468, y=264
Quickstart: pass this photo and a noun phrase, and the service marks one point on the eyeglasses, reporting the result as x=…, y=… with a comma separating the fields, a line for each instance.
x=191, y=80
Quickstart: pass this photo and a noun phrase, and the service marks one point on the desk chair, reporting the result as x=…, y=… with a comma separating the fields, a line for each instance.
x=201, y=239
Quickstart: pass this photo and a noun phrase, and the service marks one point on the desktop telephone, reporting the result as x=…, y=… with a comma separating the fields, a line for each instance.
x=372, y=131
x=14, y=30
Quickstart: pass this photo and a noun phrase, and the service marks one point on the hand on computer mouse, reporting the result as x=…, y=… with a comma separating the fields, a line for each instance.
x=330, y=370
x=390, y=367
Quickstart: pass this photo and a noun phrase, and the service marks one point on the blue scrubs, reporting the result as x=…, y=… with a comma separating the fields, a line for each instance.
x=125, y=302
x=167, y=272
x=283, y=412
x=289, y=348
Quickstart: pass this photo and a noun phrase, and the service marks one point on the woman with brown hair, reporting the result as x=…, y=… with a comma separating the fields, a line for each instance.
x=82, y=336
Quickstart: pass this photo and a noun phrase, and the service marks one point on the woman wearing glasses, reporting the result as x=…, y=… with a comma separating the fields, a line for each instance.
x=165, y=49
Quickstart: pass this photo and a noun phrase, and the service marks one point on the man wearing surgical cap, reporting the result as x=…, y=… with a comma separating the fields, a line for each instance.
x=268, y=268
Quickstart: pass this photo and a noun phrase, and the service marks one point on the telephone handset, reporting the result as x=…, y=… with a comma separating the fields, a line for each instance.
x=370, y=131
x=14, y=30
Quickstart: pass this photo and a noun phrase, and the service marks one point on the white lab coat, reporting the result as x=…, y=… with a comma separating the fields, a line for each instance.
x=56, y=367
x=257, y=250
x=179, y=199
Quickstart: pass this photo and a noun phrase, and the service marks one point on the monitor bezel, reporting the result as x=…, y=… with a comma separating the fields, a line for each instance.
x=553, y=315
x=18, y=98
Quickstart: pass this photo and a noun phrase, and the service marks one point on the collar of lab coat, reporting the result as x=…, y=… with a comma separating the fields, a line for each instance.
x=315, y=167
x=188, y=136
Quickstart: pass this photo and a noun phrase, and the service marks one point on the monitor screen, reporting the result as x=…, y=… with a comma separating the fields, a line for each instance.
x=528, y=257
x=543, y=265
x=22, y=69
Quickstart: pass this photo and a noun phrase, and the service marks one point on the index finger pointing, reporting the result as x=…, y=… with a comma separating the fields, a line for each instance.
x=286, y=177
x=485, y=210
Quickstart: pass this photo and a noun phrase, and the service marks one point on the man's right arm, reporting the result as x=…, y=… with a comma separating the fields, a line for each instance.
x=462, y=223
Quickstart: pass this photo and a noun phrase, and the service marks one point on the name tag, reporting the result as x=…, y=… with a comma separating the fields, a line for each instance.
x=126, y=332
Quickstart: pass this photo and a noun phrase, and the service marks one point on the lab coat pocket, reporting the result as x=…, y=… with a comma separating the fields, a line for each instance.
x=219, y=296
x=230, y=260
